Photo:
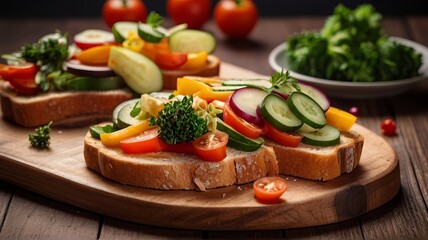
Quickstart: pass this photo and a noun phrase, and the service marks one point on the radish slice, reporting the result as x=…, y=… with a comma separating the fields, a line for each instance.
x=316, y=94
x=75, y=67
x=92, y=38
x=244, y=103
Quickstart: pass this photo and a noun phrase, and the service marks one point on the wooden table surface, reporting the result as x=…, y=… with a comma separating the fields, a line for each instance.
x=25, y=214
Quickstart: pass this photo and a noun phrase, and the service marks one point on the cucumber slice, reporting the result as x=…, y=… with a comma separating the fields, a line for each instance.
x=237, y=140
x=119, y=107
x=140, y=73
x=324, y=137
x=124, y=118
x=306, y=109
x=121, y=30
x=96, y=130
x=226, y=88
x=247, y=82
x=276, y=111
x=95, y=84
x=149, y=34
x=192, y=41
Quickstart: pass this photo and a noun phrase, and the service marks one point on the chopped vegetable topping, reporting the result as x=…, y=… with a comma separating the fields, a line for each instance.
x=42, y=137
x=178, y=122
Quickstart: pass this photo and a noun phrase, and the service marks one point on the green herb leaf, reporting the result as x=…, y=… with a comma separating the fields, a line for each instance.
x=41, y=139
x=154, y=19
x=178, y=122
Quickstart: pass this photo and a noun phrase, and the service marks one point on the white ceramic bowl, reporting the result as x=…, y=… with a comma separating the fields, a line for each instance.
x=356, y=90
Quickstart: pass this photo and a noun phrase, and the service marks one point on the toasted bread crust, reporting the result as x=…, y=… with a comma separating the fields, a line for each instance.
x=163, y=170
x=320, y=163
x=63, y=108
x=212, y=69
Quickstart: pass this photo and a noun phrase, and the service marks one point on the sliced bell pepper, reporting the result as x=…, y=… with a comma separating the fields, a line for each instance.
x=195, y=61
x=340, y=119
x=133, y=42
x=113, y=139
x=94, y=56
x=187, y=86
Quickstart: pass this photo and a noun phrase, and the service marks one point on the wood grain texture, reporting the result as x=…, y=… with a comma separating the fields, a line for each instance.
x=61, y=173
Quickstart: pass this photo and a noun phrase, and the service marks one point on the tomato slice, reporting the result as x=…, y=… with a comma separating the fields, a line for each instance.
x=239, y=124
x=180, y=148
x=145, y=142
x=24, y=71
x=5, y=72
x=289, y=139
x=211, y=147
x=170, y=60
x=24, y=86
x=269, y=189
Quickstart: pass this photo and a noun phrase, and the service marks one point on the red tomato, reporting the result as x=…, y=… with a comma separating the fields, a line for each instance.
x=236, y=18
x=170, y=60
x=211, y=147
x=193, y=12
x=145, y=142
x=239, y=124
x=269, y=189
x=120, y=10
x=289, y=139
x=21, y=77
x=388, y=127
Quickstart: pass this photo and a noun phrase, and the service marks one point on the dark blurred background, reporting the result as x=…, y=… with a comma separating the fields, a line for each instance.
x=271, y=8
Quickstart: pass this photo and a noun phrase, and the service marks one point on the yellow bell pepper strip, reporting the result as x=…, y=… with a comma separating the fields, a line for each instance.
x=187, y=86
x=133, y=42
x=113, y=139
x=195, y=61
x=340, y=119
x=94, y=56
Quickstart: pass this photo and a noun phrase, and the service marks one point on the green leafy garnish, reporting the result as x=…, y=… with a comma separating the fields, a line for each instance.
x=136, y=110
x=41, y=139
x=154, y=19
x=352, y=46
x=281, y=79
x=178, y=122
x=49, y=54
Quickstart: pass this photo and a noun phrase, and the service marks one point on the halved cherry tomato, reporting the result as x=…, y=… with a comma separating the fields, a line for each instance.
x=289, y=139
x=269, y=189
x=21, y=77
x=182, y=147
x=170, y=60
x=211, y=147
x=239, y=124
x=145, y=142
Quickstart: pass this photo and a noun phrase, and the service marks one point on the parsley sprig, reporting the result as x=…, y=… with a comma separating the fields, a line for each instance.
x=281, y=79
x=154, y=19
x=179, y=122
x=41, y=138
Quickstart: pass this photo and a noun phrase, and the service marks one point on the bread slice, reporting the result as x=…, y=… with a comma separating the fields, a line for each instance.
x=320, y=163
x=170, y=76
x=164, y=170
x=71, y=108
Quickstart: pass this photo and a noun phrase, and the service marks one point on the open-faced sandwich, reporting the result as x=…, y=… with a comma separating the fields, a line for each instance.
x=80, y=83
x=215, y=132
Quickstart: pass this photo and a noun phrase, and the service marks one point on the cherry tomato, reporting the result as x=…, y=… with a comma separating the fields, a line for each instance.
x=289, y=139
x=239, y=124
x=388, y=127
x=170, y=60
x=145, y=142
x=269, y=189
x=21, y=77
x=124, y=10
x=193, y=12
x=236, y=18
x=211, y=147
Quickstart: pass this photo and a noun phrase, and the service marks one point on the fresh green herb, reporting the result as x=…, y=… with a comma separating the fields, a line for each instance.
x=96, y=130
x=352, y=46
x=136, y=110
x=154, y=19
x=178, y=122
x=280, y=79
x=41, y=139
x=49, y=53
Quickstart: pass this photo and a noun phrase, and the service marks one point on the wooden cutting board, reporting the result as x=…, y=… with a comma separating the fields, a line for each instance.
x=60, y=173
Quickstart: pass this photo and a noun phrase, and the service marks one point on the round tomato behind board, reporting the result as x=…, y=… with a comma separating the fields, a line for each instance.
x=124, y=10
x=193, y=12
x=236, y=18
